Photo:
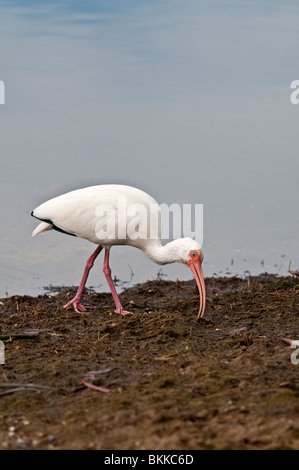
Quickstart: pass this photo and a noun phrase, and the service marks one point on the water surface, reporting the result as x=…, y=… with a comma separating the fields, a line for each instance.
x=189, y=101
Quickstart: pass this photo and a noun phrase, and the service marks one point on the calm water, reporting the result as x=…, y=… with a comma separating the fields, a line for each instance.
x=28, y=265
x=189, y=101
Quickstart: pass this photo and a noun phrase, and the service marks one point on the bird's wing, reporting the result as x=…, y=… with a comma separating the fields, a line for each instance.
x=69, y=213
x=43, y=227
x=77, y=212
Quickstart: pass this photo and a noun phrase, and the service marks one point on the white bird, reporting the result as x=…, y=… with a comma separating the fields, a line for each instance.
x=106, y=215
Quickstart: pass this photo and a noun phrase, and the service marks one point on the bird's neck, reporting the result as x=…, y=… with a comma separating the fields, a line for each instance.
x=163, y=254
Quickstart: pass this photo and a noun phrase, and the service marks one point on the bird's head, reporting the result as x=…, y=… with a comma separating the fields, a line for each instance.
x=189, y=251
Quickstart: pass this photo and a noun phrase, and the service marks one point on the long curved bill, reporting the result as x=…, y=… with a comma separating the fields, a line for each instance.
x=198, y=274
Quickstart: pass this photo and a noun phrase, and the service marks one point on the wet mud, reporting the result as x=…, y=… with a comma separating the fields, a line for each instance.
x=159, y=378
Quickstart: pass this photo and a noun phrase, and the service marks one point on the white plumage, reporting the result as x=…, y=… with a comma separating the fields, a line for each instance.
x=110, y=215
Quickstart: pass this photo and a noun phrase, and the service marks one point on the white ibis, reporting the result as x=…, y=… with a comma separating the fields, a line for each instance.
x=106, y=215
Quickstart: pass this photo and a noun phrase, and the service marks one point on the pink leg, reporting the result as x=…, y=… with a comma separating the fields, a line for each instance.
x=76, y=301
x=107, y=272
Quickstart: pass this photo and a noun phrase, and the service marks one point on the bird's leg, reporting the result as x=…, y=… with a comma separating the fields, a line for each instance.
x=107, y=272
x=76, y=301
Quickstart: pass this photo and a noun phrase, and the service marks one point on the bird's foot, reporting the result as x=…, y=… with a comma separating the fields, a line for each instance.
x=121, y=311
x=78, y=307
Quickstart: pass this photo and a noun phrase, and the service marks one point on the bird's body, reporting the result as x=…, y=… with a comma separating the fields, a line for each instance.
x=75, y=212
x=112, y=214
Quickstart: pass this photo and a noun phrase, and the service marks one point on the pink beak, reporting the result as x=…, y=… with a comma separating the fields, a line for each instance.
x=198, y=274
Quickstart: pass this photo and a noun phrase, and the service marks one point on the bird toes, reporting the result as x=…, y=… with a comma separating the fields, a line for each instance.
x=121, y=311
x=78, y=307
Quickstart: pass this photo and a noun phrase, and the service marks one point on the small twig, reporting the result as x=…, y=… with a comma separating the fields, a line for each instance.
x=19, y=336
x=29, y=385
x=249, y=280
x=95, y=387
x=94, y=373
x=19, y=389
x=132, y=275
x=235, y=331
x=294, y=273
x=100, y=339
x=279, y=294
x=160, y=274
x=278, y=270
x=22, y=388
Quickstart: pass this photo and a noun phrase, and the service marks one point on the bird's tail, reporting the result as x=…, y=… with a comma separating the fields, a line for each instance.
x=42, y=227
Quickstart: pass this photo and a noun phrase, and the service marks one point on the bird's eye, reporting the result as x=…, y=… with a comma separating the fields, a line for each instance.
x=193, y=254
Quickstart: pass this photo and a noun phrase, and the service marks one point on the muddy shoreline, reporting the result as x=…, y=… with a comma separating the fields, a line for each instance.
x=157, y=379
